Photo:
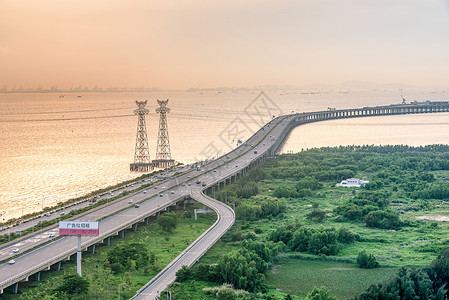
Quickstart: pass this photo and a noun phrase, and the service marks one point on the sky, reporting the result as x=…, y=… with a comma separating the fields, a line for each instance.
x=176, y=44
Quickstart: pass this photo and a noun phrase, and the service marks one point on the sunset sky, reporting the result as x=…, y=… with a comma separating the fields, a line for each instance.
x=236, y=43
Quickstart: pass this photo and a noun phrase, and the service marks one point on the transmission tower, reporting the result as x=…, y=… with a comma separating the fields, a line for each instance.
x=142, y=153
x=163, y=155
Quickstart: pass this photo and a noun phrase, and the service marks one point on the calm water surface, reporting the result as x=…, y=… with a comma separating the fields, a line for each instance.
x=54, y=149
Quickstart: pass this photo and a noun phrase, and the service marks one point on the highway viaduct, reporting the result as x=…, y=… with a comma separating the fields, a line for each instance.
x=215, y=174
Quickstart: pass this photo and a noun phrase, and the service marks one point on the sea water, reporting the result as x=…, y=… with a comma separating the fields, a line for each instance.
x=56, y=147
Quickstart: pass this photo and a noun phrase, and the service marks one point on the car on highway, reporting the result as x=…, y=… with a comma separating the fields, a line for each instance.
x=62, y=213
x=155, y=187
x=136, y=206
x=130, y=201
x=15, y=250
x=144, y=192
x=11, y=262
x=161, y=195
x=51, y=235
x=172, y=192
x=189, y=184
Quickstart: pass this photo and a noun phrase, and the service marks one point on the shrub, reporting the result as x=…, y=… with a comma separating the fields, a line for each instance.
x=366, y=260
x=385, y=219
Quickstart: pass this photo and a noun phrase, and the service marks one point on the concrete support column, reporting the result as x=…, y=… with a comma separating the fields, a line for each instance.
x=121, y=234
x=147, y=220
x=167, y=209
x=78, y=256
x=157, y=215
x=108, y=241
x=37, y=276
x=184, y=204
x=92, y=249
x=176, y=205
x=58, y=266
x=15, y=288
x=135, y=227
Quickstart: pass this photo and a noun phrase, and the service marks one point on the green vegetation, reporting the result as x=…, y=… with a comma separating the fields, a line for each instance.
x=344, y=280
x=412, y=283
x=127, y=264
x=293, y=202
x=366, y=260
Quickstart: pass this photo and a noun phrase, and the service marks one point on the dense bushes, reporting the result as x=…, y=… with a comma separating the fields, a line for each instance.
x=426, y=283
x=315, y=241
x=366, y=260
x=128, y=256
x=260, y=208
x=386, y=219
x=168, y=222
x=244, y=268
x=372, y=208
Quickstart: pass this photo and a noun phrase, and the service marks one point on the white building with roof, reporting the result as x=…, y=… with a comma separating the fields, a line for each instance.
x=352, y=182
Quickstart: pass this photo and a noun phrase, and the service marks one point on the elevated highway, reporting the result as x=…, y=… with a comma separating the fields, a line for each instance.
x=216, y=174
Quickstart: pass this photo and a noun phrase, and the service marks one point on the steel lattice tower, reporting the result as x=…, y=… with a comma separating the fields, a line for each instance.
x=142, y=153
x=163, y=155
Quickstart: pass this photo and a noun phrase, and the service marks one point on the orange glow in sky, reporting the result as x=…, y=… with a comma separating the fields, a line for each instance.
x=235, y=43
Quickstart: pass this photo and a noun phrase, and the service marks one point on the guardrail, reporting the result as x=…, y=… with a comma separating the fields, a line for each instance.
x=85, y=244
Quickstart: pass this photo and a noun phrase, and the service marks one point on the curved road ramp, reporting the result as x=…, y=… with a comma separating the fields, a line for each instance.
x=195, y=251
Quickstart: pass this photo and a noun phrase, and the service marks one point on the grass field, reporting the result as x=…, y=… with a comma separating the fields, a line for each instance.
x=344, y=280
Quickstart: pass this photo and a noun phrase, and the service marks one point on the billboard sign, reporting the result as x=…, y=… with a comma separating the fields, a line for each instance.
x=78, y=228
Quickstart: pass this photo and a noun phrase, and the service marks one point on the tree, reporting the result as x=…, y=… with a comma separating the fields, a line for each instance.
x=242, y=268
x=183, y=274
x=128, y=255
x=316, y=215
x=320, y=294
x=168, y=222
x=383, y=219
x=73, y=284
x=226, y=294
x=366, y=261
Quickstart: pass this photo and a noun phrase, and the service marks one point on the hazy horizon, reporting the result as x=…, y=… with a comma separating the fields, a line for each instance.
x=188, y=44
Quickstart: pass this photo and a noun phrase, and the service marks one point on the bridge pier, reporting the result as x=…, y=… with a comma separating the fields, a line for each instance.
x=15, y=288
x=147, y=220
x=58, y=266
x=121, y=234
x=37, y=276
x=92, y=249
x=135, y=227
